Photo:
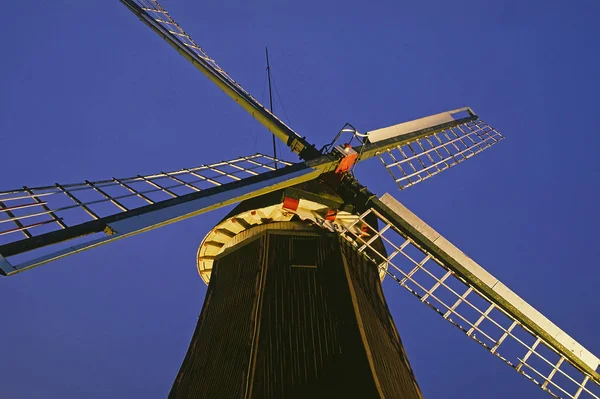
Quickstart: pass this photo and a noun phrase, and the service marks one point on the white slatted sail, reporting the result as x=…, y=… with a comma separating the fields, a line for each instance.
x=28, y=212
x=66, y=218
x=162, y=17
x=158, y=19
x=446, y=142
x=463, y=293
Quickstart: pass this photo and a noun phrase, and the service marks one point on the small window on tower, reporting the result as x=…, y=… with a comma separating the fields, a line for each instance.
x=304, y=251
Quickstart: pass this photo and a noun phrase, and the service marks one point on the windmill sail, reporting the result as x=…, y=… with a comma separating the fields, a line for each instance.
x=41, y=224
x=430, y=145
x=160, y=21
x=463, y=293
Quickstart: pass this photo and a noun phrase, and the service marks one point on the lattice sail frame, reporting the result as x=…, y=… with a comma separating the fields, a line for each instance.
x=570, y=372
x=159, y=20
x=161, y=16
x=425, y=157
x=29, y=214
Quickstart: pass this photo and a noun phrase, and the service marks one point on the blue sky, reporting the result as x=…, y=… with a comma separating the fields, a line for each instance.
x=90, y=93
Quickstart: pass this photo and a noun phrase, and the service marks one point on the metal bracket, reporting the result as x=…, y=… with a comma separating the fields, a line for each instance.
x=5, y=267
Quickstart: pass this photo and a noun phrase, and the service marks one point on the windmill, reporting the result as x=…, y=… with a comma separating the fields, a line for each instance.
x=105, y=197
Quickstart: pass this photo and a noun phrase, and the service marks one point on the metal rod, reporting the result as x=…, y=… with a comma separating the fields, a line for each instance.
x=12, y=208
x=23, y=228
x=271, y=102
x=79, y=203
x=20, y=226
x=108, y=197
x=45, y=207
x=133, y=191
x=158, y=186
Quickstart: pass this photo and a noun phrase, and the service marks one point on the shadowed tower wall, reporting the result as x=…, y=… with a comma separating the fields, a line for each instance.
x=294, y=314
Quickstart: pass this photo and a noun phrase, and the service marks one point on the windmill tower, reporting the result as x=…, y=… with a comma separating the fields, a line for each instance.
x=51, y=220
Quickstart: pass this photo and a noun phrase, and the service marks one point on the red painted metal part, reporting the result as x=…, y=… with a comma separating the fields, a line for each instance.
x=348, y=160
x=331, y=215
x=290, y=204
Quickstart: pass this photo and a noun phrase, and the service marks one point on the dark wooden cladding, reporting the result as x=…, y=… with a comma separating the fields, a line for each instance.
x=309, y=344
x=216, y=363
x=393, y=370
x=295, y=315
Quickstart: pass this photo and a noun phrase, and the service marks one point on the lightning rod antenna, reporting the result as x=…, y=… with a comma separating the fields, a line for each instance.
x=271, y=101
